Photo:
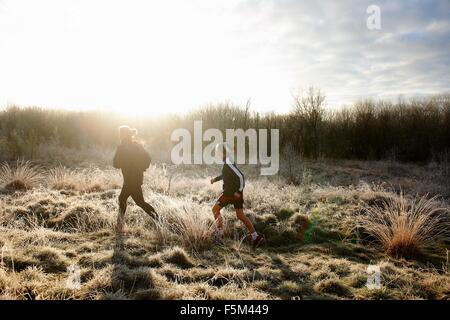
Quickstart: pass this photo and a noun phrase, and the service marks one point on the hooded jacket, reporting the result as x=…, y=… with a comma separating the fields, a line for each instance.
x=133, y=160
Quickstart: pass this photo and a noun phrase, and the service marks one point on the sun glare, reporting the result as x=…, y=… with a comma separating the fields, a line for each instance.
x=138, y=58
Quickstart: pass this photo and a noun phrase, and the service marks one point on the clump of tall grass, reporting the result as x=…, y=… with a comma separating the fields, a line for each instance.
x=61, y=178
x=188, y=223
x=22, y=176
x=81, y=218
x=179, y=257
x=407, y=227
x=86, y=180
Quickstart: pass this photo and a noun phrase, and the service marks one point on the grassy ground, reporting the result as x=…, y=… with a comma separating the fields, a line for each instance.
x=315, y=249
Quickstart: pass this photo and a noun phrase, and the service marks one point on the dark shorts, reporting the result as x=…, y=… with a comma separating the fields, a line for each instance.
x=237, y=202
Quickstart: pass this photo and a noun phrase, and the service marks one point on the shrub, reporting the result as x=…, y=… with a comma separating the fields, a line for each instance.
x=22, y=176
x=406, y=227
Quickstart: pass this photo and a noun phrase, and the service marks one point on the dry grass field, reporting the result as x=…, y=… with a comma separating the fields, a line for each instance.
x=325, y=222
x=336, y=112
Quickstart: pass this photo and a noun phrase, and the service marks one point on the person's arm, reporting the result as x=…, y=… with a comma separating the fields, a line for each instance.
x=146, y=159
x=117, y=161
x=218, y=178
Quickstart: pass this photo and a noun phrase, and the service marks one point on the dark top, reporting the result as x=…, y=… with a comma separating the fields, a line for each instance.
x=233, y=179
x=133, y=160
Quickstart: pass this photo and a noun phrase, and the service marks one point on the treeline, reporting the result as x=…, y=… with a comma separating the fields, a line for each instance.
x=410, y=130
x=407, y=130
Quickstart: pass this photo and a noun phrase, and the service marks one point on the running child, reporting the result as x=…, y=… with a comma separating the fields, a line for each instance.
x=233, y=188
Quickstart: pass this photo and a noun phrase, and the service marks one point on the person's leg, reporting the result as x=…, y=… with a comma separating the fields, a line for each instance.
x=217, y=217
x=219, y=234
x=245, y=220
x=138, y=198
x=257, y=239
x=238, y=206
x=123, y=197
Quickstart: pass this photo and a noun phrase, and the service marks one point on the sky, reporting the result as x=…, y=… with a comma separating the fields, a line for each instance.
x=153, y=57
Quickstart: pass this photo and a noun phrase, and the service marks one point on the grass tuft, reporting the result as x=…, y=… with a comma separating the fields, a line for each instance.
x=333, y=287
x=405, y=227
x=178, y=257
x=22, y=176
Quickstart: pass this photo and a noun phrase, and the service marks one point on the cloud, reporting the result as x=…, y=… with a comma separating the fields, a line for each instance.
x=327, y=44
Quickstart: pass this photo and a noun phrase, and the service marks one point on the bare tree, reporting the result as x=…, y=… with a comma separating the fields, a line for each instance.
x=309, y=111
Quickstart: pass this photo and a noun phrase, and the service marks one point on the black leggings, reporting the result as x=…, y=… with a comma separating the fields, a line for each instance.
x=135, y=192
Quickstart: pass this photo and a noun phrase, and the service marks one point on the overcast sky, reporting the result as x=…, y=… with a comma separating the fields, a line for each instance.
x=173, y=55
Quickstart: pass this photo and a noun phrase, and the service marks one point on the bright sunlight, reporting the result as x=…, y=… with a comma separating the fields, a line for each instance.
x=147, y=56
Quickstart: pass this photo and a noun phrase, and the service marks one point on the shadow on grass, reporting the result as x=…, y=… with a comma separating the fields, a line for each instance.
x=292, y=285
x=131, y=277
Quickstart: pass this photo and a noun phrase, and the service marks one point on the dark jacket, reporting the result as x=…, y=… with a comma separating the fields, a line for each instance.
x=133, y=160
x=233, y=179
